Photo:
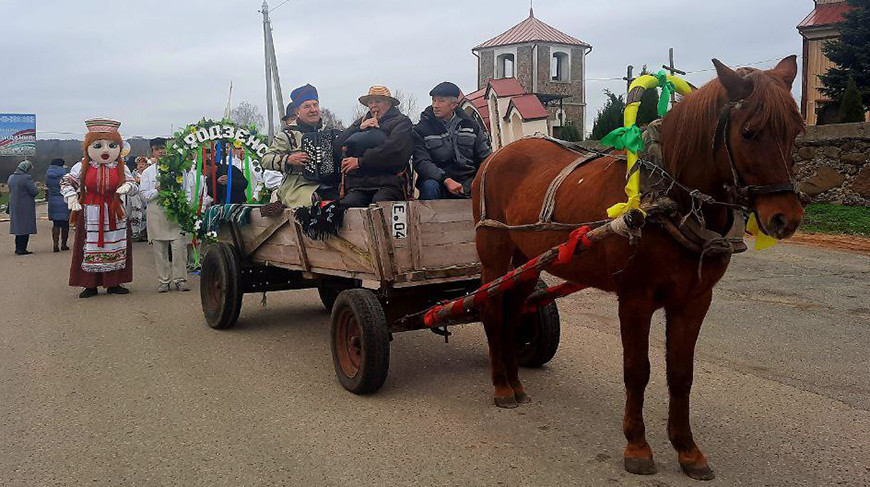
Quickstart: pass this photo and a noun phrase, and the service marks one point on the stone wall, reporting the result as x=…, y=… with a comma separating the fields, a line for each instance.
x=832, y=163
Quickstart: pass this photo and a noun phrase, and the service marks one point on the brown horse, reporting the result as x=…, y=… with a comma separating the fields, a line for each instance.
x=731, y=140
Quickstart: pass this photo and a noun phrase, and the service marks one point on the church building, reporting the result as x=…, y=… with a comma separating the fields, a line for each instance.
x=531, y=79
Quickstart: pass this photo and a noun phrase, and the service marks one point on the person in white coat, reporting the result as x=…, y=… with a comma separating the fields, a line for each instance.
x=163, y=233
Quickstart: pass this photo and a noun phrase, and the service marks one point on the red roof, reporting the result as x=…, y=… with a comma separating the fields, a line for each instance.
x=478, y=99
x=531, y=30
x=506, y=87
x=826, y=14
x=529, y=107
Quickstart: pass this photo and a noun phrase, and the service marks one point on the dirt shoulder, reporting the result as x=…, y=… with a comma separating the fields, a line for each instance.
x=848, y=243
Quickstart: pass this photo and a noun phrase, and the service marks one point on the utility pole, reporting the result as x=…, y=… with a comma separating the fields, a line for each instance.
x=279, y=97
x=628, y=79
x=671, y=69
x=271, y=73
x=270, y=120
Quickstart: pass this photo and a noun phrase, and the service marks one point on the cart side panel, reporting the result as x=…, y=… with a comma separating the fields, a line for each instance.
x=440, y=235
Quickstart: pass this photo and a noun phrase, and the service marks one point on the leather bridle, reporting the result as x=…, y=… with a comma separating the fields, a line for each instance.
x=744, y=194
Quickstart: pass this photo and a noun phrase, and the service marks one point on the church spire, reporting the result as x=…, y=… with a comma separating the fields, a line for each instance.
x=531, y=9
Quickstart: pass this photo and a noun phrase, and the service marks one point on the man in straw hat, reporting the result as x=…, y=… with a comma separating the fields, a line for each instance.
x=449, y=146
x=378, y=148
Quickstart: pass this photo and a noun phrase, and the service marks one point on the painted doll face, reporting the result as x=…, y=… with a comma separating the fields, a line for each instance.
x=104, y=151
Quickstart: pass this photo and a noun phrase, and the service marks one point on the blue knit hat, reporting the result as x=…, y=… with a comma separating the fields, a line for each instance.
x=302, y=94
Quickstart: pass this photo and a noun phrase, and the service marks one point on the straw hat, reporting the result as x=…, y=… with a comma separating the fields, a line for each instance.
x=378, y=92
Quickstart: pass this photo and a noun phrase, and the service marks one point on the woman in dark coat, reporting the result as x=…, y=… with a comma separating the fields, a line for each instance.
x=22, y=206
x=58, y=212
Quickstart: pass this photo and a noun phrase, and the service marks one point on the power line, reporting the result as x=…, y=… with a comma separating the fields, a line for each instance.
x=278, y=6
x=754, y=63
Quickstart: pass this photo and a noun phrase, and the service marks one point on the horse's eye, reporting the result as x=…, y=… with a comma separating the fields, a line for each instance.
x=748, y=133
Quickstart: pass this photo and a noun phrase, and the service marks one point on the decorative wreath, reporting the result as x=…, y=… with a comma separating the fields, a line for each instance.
x=186, y=148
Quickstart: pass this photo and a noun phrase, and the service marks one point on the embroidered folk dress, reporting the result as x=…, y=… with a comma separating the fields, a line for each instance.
x=102, y=251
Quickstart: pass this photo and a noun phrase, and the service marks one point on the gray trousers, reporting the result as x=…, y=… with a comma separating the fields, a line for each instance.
x=175, y=271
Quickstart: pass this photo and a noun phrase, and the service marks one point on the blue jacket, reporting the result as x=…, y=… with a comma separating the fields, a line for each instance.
x=57, y=209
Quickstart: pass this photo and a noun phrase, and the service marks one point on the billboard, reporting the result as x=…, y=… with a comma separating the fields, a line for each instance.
x=17, y=134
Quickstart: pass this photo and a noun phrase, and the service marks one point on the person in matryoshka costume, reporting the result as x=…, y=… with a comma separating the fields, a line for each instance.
x=102, y=250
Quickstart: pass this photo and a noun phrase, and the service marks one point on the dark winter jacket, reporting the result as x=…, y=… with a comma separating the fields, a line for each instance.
x=440, y=153
x=22, y=205
x=237, y=192
x=57, y=209
x=381, y=166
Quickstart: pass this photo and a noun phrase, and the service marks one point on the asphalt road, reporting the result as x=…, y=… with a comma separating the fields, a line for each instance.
x=137, y=390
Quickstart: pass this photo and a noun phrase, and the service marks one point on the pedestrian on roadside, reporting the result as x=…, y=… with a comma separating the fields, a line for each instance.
x=170, y=246
x=58, y=212
x=22, y=206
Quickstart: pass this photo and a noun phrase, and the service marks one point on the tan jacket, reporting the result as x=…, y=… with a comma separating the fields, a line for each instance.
x=295, y=191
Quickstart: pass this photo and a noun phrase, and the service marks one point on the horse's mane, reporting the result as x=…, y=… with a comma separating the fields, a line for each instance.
x=689, y=129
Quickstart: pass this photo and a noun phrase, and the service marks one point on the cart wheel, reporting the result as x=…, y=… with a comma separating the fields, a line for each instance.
x=328, y=295
x=360, y=341
x=539, y=334
x=220, y=286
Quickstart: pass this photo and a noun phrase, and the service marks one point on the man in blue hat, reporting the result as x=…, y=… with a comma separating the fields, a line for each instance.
x=449, y=146
x=286, y=154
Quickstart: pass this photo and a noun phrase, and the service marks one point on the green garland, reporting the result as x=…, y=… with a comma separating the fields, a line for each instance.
x=180, y=157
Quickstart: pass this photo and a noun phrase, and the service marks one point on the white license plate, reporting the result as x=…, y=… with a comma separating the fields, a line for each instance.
x=400, y=220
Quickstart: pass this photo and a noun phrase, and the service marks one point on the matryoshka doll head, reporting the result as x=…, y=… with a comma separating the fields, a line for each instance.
x=103, y=143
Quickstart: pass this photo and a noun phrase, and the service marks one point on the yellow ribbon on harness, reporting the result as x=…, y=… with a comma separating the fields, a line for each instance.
x=632, y=187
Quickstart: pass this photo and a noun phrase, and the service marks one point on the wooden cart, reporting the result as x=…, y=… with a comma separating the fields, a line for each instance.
x=389, y=262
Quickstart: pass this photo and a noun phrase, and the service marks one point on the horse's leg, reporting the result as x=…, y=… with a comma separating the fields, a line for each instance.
x=683, y=324
x=496, y=249
x=514, y=302
x=634, y=319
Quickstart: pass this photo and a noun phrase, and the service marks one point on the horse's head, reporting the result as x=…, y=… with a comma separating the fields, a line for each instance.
x=755, y=134
x=745, y=121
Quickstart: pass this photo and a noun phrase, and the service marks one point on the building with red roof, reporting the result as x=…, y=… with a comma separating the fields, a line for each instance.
x=532, y=58
x=820, y=26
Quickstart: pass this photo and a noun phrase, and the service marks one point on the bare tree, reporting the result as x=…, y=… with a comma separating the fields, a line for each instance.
x=331, y=120
x=408, y=104
x=245, y=114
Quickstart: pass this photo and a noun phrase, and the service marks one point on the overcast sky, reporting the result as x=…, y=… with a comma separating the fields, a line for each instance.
x=161, y=64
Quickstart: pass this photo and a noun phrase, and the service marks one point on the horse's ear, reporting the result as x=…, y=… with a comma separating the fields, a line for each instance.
x=735, y=85
x=786, y=70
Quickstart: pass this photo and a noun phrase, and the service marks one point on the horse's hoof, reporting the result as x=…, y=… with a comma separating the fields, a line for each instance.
x=507, y=402
x=522, y=398
x=640, y=465
x=698, y=473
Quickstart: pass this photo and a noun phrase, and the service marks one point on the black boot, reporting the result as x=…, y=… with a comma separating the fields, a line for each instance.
x=88, y=292
x=117, y=290
x=55, y=236
x=64, y=237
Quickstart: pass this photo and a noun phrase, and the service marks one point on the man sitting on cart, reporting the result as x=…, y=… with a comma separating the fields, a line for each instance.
x=449, y=147
x=378, y=148
x=286, y=154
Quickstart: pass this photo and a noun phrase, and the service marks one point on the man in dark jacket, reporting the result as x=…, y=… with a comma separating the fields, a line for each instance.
x=449, y=147
x=237, y=190
x=378, y=149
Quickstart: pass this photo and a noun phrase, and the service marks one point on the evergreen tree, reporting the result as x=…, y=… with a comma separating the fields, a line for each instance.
x=648, y=110
x=851, y=53
x=570, y=133
x=609, y=117
x=851, y=109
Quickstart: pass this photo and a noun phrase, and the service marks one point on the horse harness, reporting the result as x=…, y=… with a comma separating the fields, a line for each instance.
x=689, y=230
